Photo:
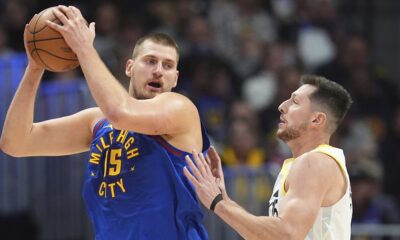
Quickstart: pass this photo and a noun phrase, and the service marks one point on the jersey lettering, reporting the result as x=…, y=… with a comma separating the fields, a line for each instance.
x=111, y=153
x=115, y=162
x=111, y=188
x=272, y=207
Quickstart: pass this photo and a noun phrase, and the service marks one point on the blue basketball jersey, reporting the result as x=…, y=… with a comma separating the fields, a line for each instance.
x=135, y=188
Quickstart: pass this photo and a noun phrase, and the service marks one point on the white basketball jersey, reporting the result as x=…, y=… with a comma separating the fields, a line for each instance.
x=332, y=223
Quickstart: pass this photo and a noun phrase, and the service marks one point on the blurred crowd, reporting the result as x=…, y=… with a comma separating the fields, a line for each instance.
x=240, y=59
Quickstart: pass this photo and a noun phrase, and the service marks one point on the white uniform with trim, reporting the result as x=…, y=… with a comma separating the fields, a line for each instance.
x=332, y=222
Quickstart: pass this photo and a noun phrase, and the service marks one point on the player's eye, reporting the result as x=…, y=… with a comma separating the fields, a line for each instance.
x=151, y=61
x=168, y=66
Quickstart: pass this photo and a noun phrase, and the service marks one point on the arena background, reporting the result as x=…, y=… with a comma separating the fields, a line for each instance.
x=239, y=60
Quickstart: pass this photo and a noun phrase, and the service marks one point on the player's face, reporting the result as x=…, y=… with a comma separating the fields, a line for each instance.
x=296, y=114
x=153, y=71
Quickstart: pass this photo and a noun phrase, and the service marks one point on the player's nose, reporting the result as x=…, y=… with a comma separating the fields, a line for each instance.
x=281, y=107
x=158, y=69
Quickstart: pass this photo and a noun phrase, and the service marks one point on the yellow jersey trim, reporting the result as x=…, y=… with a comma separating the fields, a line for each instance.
x=324, y=148
x=285, y=172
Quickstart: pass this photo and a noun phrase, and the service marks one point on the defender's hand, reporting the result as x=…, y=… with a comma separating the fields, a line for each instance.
x=206, y=185
x=214, y=162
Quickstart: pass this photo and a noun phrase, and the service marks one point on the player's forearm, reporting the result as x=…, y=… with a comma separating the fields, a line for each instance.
x=108, y=93
x=250, y=226
x=19, y=120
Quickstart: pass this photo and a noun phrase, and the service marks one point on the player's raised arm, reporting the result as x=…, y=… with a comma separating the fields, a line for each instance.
x=22, y=137
x=147, y=108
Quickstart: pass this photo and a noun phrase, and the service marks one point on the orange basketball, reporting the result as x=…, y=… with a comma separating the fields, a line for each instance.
x=47, y=46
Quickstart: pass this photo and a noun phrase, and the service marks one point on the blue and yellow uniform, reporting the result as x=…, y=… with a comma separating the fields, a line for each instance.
x=135, y=187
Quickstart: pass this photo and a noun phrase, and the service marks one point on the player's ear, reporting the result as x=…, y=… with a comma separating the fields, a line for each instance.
x=319, y=118
x=129, y=68
x=176, y=79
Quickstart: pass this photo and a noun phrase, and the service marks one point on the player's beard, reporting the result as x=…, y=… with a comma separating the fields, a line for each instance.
x=291, y=133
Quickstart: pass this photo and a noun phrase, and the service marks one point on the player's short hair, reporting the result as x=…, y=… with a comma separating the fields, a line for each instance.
x=159, y=38
x=330, y=97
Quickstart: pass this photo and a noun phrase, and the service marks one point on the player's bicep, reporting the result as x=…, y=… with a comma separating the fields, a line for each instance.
x=299, y=213
x=62, y=136
x=168, y=113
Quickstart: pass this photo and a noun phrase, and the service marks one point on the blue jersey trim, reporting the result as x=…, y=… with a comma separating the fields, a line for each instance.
x=98, y=125
x=177, y=152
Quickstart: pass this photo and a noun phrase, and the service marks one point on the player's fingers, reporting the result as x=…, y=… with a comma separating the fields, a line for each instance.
x=208, y=161
x=67, y=11
x=60, y=15
x=92, y=27
x=215, y=161
x=78, y=15
x=213, y=158
x=199, y=163
x=214, y=171
x=193, y=168
x=54, y=26
x=75, y=11
x=192, y=179
x=206, y=167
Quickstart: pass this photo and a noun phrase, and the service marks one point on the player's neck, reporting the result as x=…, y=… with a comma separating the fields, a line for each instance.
x=306, y=143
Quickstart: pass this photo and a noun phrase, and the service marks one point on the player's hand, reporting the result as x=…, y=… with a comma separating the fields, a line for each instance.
x=31, y=62
x=214, y=162
x=205, y=184
x=75, y=30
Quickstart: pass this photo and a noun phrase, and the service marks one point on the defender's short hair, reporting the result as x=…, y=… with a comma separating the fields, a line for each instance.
x=331, y=96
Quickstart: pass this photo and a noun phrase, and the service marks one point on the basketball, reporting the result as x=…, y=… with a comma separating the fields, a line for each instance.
x=47, y=46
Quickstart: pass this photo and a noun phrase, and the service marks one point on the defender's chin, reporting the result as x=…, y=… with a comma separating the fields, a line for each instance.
x=279, y=133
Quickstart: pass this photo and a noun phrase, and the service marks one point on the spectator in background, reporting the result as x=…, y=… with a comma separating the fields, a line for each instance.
x=174, y=16
x=5, y=50
x=198, y=38
x=107, y=22
x=212, y=102
x=353, y=54
x=370, y=205
x=242, y=110
x=260, y=90
x=240, y=29
x=168, y=19
x=390, y=153
x=14, y=17
x=243, y=142
x=131, y=28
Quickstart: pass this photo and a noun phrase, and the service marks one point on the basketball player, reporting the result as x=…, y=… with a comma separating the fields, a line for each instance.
x=134, y=185
x=311, y=197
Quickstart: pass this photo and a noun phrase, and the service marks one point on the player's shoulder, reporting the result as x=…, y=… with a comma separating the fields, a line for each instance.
x=175, y=98
x=314, y=169
x=315, y=163
x=173, y=95
x=92, y=113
